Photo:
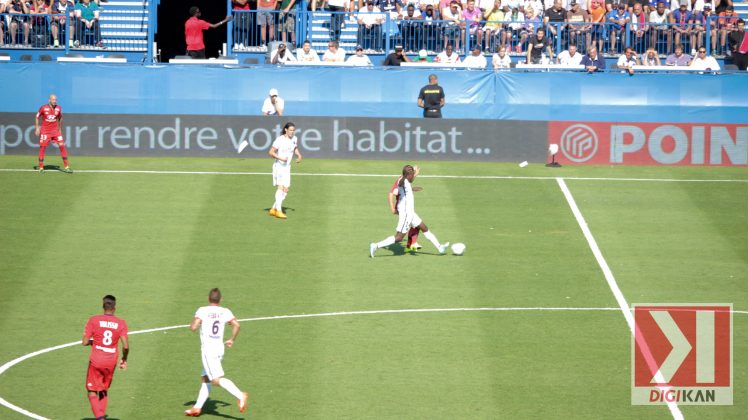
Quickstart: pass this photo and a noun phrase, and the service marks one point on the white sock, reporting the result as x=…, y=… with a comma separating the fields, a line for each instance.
x=430, y=236
x=278, y=205
x=387, y=242
x=230, y=387
x=284, y=194
x=202, y=396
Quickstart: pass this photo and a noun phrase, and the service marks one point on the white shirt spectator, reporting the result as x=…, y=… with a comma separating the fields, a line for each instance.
x=536, y=5
x=516, y=22
x=337, y=3
x=566, y=59
x=282, y=60
x=513, y=4
x=626, y=62
x=442, y=57
x=338, y=56
x=484, y=4
x=375, y=17
x=269, y=109
x=475, y=61
x=656, y=19
x=501, y=63
x=706, y=63
x=359, y=60
x=311, y=56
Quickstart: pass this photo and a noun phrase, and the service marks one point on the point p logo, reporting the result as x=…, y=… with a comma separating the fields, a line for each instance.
x=682, y=353
x=579, y=143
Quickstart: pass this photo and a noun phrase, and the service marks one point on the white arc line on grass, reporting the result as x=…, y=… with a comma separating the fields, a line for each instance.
x=18, y=360
x=622, y=304
x=546, y=178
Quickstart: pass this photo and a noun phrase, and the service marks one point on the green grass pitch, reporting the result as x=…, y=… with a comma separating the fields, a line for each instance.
x=160, y=241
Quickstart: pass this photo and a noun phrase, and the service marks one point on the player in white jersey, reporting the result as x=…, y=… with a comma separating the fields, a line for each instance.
x=211, y=320
x=283, y=150
x=407, y=216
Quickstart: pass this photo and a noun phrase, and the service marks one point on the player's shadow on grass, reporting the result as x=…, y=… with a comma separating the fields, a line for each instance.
x=211, y=408
x=108, y=418
x=397, y=250
x=285, y=209
x=50, y=168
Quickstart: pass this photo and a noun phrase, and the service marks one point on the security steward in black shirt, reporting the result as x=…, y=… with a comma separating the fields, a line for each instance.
x=431, y=98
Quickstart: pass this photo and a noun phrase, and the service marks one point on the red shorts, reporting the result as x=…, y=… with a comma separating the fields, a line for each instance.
x=99, y=378
x=44, y=140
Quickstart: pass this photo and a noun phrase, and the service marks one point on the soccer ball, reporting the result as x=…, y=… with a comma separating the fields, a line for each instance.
x=458, y=248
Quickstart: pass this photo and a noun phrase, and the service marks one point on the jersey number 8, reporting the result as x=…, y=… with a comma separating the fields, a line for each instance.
x=107, y=341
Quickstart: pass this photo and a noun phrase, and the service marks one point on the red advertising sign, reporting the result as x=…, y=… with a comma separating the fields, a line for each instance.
x=605, y=143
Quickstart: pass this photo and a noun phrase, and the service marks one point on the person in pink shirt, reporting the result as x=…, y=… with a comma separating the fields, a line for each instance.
x=472, y=16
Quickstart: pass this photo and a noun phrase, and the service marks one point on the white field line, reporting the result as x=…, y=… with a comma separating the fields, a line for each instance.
x=154, y=172
x=622, y=303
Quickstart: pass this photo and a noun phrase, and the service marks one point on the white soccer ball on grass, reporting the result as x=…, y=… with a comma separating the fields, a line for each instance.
x=458, y=248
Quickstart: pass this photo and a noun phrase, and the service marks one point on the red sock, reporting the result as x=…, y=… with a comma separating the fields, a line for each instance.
x=103, y=401
x=41, y=155
x=64, y=154
x=412, y=236
x=96, y=405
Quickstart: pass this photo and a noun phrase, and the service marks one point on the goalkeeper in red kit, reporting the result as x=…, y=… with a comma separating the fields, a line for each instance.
x=51, y=131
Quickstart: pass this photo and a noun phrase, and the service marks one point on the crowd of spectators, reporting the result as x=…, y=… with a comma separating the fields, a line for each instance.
x=49, y=23
x=609, y=25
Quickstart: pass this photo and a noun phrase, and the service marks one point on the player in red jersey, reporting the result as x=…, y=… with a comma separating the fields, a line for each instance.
x=393, y=198
x=102, y=333
x=51, y=130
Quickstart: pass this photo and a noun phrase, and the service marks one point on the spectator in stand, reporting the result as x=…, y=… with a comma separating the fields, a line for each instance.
x=87, y=14
x=727, y=23
x=704, y=62
x=452, y=27
x=658, y=22
x=486, y=5
x=370, y=20
x=281, y=55
x=535, y=5
x=306, y=54
x=579, y=24
x=266, y=20
x=721, y=6
x=338, y=9
x=288, y=20
x=396, y=57
x=532, y=20
x=645, y=6
x=472, y=16
x=448, y=56
x=492, y=28
x=570, y=57
x=538, y=47
x=678, y=58
x=554, y=19
x=242, y=23
x=650, y=58
x=430, y=28
x=617, y=21
x=273, y=104
x=681, y=20
x=514, y=28
x=334, y=54
x=593, y=62
x=628, y=60
x=40, y=22
x=739, y=46
x=411, y=28
x=596, y=9
x=66, y=8
x=423, y=57
x=359, y=59
x=639, y=27
x=193, y=32
x=501, y=59
x=18, y=8
x=476, y=59
x=701, y=20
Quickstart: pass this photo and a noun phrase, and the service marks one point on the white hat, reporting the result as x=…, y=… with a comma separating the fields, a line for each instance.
x=423, y=53
x=273, y=92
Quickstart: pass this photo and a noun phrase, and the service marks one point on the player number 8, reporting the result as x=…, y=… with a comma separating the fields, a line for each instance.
x=107, y=338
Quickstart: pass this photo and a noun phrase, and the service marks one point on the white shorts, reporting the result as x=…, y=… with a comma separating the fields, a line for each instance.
x=405, y=221
x=281, y=176
x=212, y=367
